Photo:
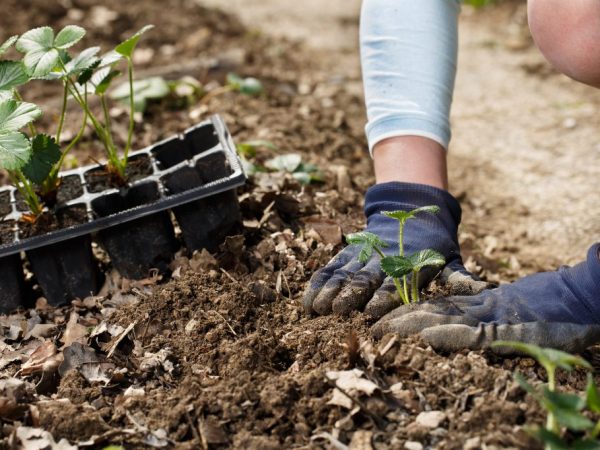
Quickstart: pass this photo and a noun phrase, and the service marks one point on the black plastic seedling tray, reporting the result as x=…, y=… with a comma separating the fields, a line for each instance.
x=194, y=175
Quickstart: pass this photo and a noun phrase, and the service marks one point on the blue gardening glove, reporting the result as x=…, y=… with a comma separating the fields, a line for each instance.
x=553, y=309
x=346, y=285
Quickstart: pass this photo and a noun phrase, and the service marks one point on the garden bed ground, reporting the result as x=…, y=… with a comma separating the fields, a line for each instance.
x=222, y=355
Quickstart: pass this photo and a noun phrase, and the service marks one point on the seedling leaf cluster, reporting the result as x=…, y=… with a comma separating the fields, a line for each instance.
x=33, y=160
x=399, y=267
x=565, y=411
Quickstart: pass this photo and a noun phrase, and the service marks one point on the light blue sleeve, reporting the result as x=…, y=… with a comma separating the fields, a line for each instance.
x=408, y=55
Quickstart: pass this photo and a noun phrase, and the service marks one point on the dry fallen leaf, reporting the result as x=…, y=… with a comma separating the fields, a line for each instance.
x=352, y=381
x=44, y=359
x=38, y=439
x=85, y=359
x=75, y=332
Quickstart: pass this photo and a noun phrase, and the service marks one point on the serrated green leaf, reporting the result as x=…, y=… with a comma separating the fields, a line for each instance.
x=41, y=38
x=15, y=115
x=12, y=73
x=592, y=397
x=396, y=266
x=15, y=150
x=110, y=58
x=426, y=258
x=8, y=44
x=40, y=63
x=548, y=357
x=284, y=163
x=127, y=47
x=68, y=36
x=6, y=95
x=365, y=237
x=45, y=152
x=84, y=60
x=403, y=216
x=365, y=253
x=87, y=73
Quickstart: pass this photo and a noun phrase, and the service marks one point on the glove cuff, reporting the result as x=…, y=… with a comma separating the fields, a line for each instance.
x=396, y=195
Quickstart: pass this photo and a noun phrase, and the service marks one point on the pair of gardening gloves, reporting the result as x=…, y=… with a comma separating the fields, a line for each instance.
x=554, y=309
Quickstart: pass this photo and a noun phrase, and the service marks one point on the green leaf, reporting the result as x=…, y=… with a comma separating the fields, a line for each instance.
x=45, y=152
x=41, y=62
x=285, y=163
x=548, y=357
x=551, y=441
x=15, y=150
x=12, y=73
x=127, y=47
x=143, y=90
x=564, y=400
x=365, y=237
x=68, y=36
x=586, y=444
x=86, y=74
x=573, y=420
x=103, y=82
x=8, y=44
x=592, y=397
x=426, y=258
x=365, y=253
x=15, y=115
x=403, y=216
x=35, y=40
x=396, y=266
x=84, y=60
x=248, y=148
x=6, y=95
x=110, y=58
x=248, y=86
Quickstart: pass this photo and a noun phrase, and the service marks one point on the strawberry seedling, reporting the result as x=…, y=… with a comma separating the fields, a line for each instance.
x=399, y=267
x=564, y=410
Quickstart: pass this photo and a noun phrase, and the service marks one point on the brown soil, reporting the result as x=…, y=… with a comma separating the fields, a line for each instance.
x=102, y=178
x=64, y=218
x=223, y=356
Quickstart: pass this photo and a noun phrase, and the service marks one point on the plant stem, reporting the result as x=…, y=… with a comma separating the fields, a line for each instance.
x=131, y=113
x=76, y=139
x=63, y=113
x=596, y=431
x=415, y=286
x=28, y=193
x=404, y=298
x=107, y=120
x=401, y=253
x=551, y=422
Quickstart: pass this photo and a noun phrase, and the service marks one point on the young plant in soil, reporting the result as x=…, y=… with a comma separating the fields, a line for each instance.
x=565, y=410
x=399, y=266
x=46, y=57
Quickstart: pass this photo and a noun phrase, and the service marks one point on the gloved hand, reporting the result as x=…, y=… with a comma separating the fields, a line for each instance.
x=345, y=284
x=553, y=309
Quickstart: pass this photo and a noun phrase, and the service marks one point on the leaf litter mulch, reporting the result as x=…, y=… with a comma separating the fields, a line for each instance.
x=222, y=356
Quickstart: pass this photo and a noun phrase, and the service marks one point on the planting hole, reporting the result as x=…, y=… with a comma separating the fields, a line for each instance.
x=201, y=139
x=5, y=207
x=213, y=167
x=171, y=152
x=182, y=180
x=128, y=198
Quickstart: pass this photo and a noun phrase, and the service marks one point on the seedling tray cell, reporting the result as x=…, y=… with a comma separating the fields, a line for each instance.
x=206, y=149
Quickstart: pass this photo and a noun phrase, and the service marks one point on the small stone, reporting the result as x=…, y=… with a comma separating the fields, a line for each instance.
x=430, y=419
x=473, y=443
x=412, y=445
